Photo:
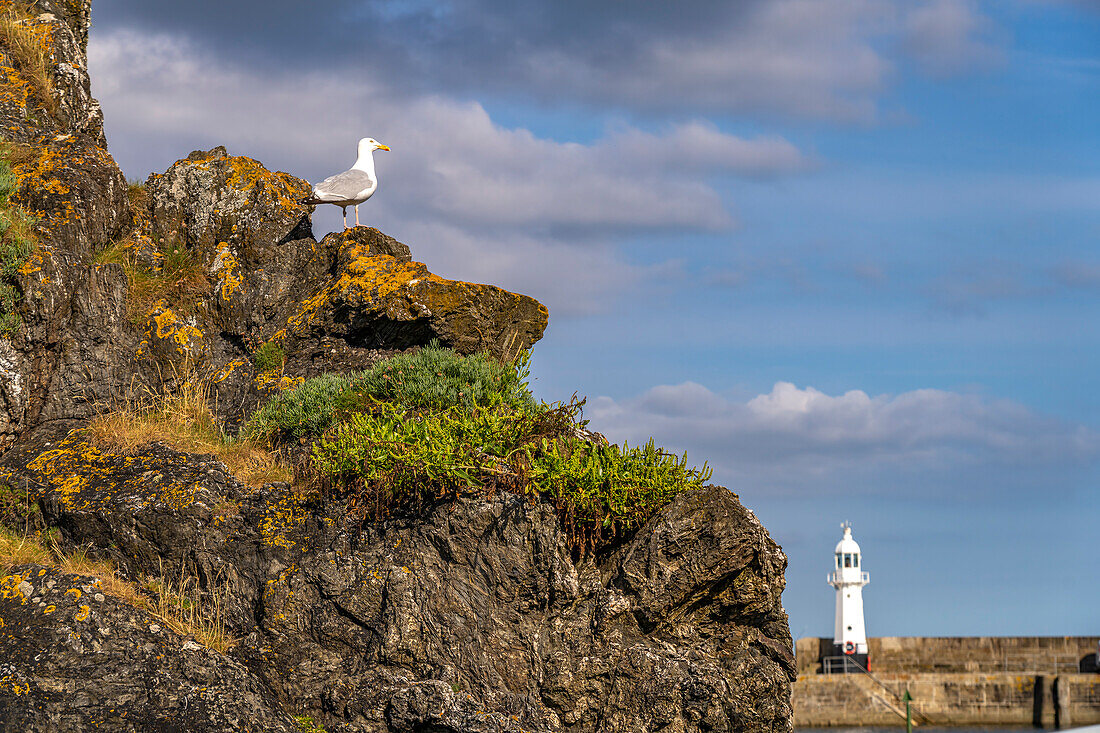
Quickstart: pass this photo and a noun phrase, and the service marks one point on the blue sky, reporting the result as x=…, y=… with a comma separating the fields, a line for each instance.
x=844, y=250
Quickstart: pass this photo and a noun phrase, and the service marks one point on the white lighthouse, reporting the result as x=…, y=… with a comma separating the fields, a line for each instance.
x=849, y=634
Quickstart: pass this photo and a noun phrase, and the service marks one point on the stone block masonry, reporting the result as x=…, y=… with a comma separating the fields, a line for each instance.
x=1042, y=681
x=947, y=699
x=909, y=654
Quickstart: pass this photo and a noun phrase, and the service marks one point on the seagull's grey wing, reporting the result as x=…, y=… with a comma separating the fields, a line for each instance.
x=343, y=186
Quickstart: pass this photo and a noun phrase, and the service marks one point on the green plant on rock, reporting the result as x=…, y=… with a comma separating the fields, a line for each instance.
x=306, y=725
x=427, y=426
x=306, y=410
x=433, y=377
x=16, y=245
x=269, y=357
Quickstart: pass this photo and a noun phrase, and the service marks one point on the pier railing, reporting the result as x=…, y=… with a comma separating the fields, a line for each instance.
x=849, y=665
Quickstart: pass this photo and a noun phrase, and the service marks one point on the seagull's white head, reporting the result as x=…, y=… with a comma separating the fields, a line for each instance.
x=369, y=144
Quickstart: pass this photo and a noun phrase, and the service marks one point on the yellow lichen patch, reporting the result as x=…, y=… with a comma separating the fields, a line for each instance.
x=76, y=592
x=370, y=278
x=49, y=609
x=15, y=90
x=32, y=264
x=247, y=174
x=16, y=684
x=178, y=496
x=83, y=613
x=222, y=374
x=71, y=469
x=227, y=270
x=184, y=337
x=43, y=169
x=12, y=588
x=276, y=381
x=281, y=519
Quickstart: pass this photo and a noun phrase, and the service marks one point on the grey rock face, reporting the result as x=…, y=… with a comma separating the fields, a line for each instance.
x=77, y=659
x=471, y=617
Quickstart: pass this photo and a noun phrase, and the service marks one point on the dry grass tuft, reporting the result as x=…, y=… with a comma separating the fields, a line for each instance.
x=184, y=421
x=27, y=43
x=139, y=202
x=176, y=602
x=180, y=281
x=18, y=154
x=180, y=603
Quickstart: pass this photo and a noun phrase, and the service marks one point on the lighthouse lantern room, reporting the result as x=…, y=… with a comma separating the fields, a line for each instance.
x=849, y=634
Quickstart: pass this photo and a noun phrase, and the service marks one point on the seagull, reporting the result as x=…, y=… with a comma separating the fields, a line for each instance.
x=353, y=186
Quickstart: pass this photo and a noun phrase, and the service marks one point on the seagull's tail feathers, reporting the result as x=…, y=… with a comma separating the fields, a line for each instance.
x=311, y=200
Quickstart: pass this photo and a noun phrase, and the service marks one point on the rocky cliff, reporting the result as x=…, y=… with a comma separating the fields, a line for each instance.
x=472, y=614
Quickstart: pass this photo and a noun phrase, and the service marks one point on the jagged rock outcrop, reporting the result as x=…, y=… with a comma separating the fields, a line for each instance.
x=69, y=181
x=473, y=616
x=76, y=658
x=225, y=255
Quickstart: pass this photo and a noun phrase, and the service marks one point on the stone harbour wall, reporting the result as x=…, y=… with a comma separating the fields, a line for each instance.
x=947, y=699
x=1043, y=681
x=992, y=654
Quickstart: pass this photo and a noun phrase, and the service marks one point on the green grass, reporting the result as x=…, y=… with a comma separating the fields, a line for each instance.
x=432, y=377
x=178, y=282
x=306, y=724
x=269, y=357
x=432, y=425
x=16, y=244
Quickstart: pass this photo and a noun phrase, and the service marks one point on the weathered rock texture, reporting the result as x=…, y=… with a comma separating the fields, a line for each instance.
x=76, y=659
x=473, y=616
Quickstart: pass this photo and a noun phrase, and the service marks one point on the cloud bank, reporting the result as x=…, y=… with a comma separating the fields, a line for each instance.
x=491, y=202
x=801, y=440
x=805, y=58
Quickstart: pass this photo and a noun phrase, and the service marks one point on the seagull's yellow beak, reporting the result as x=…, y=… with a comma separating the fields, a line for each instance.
x=383, y=147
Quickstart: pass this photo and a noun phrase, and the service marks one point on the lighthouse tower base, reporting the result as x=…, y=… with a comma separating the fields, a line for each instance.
x=840, y=663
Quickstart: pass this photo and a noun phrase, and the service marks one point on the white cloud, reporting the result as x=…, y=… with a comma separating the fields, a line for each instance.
x=501, y=204
x=700, y=146
x=802, y=439
x=808, y=58
x=949, y=36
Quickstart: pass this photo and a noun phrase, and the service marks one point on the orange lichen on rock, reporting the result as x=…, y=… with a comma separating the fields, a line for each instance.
x=282, y=518
x=227, y=270
x=167, y=327
x=367, y=277
x=82, y=477
x=249, y=174
x=223, y=373
x=275, y=381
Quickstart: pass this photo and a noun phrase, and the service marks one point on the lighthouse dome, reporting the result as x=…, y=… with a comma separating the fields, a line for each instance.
x=847, y=544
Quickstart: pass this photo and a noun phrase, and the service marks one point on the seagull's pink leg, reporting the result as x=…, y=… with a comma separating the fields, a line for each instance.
x=357, y=215
x=345, y=210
